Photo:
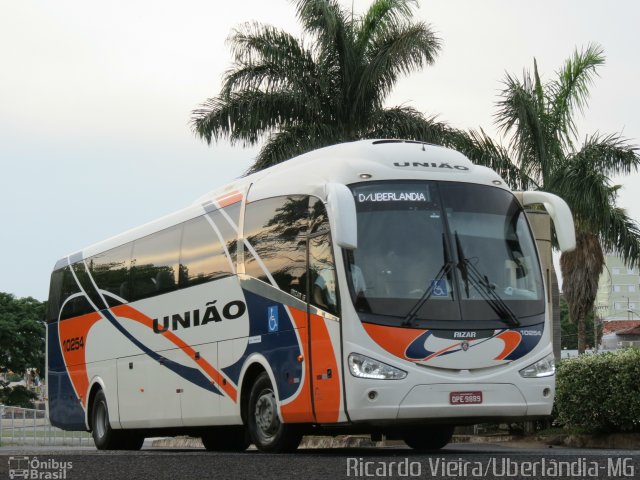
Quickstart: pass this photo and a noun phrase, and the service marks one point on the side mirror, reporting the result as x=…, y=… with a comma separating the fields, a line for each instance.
x=559, y=213
x=342, y=215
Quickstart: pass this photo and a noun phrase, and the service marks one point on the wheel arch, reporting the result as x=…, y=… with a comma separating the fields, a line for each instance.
x=253, y=367
x=97, y=384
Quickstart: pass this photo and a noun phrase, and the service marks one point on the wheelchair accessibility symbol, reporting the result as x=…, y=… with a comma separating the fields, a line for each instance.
x=272, y=318
x=439, y=288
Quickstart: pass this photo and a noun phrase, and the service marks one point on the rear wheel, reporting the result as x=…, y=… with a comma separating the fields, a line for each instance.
x=105, y=437
x=428, y=438
x=226, y=439
x=267, y=432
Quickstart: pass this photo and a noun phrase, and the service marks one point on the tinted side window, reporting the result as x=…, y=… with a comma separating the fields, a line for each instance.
x=202, y=255
x=319, y=221
x=154, y=263
x=276, y=229
x=85, y=282
x=76, y=306
x=322, y=274
x=55, y=296
x=110, y=271
x=227, y=221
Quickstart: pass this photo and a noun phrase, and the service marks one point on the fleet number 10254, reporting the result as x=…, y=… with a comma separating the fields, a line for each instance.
x=75, y=343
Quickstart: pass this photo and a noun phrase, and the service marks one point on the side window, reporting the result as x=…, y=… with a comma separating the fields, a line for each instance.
x=85, y=282
x=227, y=221
x=202, y=256
x=110, y=271
x=322, y=274
x=276, y=228
x=76, y=305
x=55, y=296
x=319, y=221
x=154, y=263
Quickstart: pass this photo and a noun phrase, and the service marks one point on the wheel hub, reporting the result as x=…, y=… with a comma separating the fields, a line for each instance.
x=266, y=414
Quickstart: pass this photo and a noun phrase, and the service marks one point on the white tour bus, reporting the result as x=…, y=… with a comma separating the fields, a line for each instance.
x=376, y=287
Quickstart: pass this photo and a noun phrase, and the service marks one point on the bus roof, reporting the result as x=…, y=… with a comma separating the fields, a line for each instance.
x=308, y=174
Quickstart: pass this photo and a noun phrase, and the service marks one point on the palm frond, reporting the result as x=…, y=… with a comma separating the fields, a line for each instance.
x=588, y=193
x=610, y=154
x=407, y=123
x=519, y=117
x=482, y=150
x=570, y=91
x=381, y=15
x=246, y=116
x=325, y=20
x=267, y=58
x=401, y=49
x=293, y=141
x=622, y=236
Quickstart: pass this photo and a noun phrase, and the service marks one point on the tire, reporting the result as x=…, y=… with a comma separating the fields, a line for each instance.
x=104, y=436
x=267, y=432
x=428, y=438
x=226, y=439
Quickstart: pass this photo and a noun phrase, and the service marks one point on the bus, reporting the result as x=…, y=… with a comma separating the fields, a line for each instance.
x=377, y=287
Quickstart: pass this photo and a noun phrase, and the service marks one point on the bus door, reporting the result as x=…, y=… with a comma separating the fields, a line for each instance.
x=324, y=328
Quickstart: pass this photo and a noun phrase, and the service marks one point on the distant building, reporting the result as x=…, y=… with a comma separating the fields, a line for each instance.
x=618, y=291
x=618, y=304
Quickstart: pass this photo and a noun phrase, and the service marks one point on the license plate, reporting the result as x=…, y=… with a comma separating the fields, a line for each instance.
x=465, y=398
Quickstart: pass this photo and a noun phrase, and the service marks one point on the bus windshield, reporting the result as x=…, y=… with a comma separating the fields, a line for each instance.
x=441, y=251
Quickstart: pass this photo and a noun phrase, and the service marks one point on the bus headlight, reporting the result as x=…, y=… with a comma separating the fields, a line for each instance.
x=366, y=367
x=542, y=368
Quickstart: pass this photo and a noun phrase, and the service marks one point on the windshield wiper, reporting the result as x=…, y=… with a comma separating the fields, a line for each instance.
x=407, y=321
x=470, y=274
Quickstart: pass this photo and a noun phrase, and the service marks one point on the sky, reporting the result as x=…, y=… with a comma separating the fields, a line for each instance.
x=95, y=101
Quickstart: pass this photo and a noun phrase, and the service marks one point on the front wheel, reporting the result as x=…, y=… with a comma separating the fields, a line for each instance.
x=267, y=432
x=428, y=438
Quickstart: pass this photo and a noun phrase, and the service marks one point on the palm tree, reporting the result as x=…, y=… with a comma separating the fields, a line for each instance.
x=537, y=121
x=329, y=87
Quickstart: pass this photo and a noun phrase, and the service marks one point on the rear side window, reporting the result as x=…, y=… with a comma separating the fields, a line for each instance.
x=110, y=271
x=154, y=263
x=74, y=303
x=203, y=256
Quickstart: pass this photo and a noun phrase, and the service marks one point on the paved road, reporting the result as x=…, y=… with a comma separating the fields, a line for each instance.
x=455, y=461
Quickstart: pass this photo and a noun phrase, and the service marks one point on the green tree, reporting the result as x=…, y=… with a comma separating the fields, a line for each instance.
x=543, y=151
x=22, y=331
x=326, y=88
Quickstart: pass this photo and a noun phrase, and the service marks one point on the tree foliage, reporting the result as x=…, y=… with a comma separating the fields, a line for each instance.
x=542, y=150
x=300, y=94
x=599, y=393
x=18, y=396
x=22, y=333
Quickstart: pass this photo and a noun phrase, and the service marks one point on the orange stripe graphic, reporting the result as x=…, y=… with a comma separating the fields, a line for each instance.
x=300, y=410
x=229, y=199
x=73, y=340
x=326, y=396
x=393, y=339
x=217, y=378
x=511, y=341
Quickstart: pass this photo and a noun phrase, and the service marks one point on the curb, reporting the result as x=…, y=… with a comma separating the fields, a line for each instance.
x=611, y=441
x=340, y=441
